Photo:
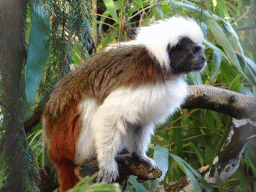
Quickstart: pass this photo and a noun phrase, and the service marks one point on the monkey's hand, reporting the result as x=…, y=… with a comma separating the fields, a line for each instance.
x=108, y=173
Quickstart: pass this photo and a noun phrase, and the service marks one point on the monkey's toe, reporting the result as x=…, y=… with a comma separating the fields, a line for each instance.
x=107, y=176
x=148, y=162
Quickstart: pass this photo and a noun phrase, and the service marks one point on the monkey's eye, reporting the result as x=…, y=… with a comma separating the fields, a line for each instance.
x=196, y=49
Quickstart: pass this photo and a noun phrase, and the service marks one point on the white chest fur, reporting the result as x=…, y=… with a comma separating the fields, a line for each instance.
x=148, y=103
x=144, y=106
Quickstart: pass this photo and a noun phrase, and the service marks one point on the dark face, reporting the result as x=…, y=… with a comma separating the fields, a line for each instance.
x=186, y=56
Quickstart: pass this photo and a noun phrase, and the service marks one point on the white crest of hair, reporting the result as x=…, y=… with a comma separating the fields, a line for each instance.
x=157, y=36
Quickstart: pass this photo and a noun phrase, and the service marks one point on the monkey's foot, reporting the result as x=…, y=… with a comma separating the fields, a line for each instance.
x=148, y=164
x=107, y=175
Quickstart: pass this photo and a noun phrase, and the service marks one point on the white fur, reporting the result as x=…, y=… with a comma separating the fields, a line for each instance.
x=157, y=36
x=126, y=119
x=85, y=147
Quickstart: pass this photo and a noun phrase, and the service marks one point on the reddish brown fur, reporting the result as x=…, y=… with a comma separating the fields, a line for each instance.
x=62, y=133
x=96, y=78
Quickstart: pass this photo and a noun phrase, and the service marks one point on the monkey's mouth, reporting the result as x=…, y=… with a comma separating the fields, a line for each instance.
x=199, y=64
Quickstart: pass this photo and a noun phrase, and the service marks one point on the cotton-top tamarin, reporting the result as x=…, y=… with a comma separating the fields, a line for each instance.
x=112, y=100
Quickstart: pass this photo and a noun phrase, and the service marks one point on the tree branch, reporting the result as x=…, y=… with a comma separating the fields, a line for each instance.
x=236, y=105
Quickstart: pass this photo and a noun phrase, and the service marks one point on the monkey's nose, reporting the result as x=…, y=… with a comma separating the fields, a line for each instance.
x=201, y=60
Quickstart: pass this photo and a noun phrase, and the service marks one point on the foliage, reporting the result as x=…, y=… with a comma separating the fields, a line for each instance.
x=17, y=162
x=83, y=185
x=68, y=31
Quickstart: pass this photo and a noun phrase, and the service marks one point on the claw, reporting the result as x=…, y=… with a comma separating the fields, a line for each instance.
x=107, y=176
x=146, y=160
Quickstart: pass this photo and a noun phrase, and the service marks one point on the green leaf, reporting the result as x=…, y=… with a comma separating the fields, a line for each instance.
x=138, y=4
x=28, y=26
x=38, y=50
x=111, y=8
x=216, y=61
x=158, y=12
x=251, y=63
x=165, y=9
x=250, y=154
x=246, y=91
x=233, y=35
x=138, y=186
x=198, y=154
x=104, y=16
x=235, y=85
x=34, y=135
x=192, y=174
x=188, y=172
x=190, y=7
x=250, y=74
x=84, y=185
x=216, y=49
x=242, y=179
x=194, y=8
x=223, y=41
x=76, y=53
x=195, y=78
x=209, y=154
x=109, y=38
x=250, y=70
x=177, y=139
x=161, y=158
x=216, y=118
x=204, y=28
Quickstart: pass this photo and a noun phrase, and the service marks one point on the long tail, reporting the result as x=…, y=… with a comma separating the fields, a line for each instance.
x=67, y=177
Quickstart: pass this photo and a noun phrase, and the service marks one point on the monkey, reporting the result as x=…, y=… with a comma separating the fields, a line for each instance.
x=112, y=101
